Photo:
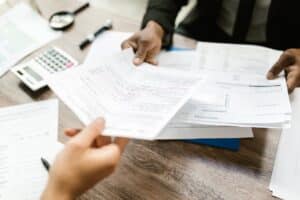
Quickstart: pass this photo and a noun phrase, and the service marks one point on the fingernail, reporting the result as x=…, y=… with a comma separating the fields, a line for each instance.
x=270, y=75
x=100, y=120
x=137, y=61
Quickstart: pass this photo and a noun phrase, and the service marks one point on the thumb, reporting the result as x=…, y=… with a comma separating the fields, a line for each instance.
x=285, y=60
x=90, y=133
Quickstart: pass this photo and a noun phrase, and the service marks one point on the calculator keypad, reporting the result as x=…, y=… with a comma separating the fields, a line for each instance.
x=54, y=61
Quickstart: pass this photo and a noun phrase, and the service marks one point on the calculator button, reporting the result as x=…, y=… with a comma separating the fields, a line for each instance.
x=69, y=64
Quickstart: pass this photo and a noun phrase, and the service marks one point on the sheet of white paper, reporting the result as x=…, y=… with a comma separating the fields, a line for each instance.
x=27, y=131
x=180, y=60
x=137, y=102
x=241, y=105
x=22, y=31
x=186, y=131
x=285, y=181
x=236, y=89
x=110, y=43
x=244, y=59
x=104, y=46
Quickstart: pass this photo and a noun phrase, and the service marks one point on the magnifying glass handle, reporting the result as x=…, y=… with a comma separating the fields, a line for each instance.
x=81, y=8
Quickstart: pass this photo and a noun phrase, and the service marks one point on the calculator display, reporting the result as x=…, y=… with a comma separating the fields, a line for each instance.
x=33, y=73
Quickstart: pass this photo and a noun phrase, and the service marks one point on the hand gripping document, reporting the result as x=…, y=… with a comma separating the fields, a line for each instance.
x=136, y=102
x=173, y=60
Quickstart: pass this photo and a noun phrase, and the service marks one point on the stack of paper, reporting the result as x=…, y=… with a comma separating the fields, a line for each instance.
x=25, y=138
x=147, y=102
x=285, y=182
x=126, y=96
x=236, y=91
x=22, y=31
x=136, y=102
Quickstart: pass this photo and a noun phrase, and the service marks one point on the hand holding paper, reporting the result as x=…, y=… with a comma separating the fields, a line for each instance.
x=135, y=102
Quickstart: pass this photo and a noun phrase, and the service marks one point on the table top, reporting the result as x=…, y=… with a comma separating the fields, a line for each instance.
x=161, y=169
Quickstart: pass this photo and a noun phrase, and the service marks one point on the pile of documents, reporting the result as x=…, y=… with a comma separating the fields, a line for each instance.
x=235, y=90
x=285, y=181
x=24, y=139
x=190, y=95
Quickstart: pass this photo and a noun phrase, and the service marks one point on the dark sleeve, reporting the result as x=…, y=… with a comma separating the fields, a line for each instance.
x=164, y=12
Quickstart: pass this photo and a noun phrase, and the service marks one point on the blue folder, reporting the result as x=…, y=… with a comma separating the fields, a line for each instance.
x=231, y=144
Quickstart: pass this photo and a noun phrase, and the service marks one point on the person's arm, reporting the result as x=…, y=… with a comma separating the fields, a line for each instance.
x=86, y=159
x=157, y=30
x=289, y=62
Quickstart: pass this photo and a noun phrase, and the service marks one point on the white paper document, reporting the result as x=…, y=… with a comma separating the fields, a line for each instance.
x=285, y=181
x=105, y=45
x=136, y=102
x=236, y=91
x=22, y=31
x=241, y=59
x=110, y=42
x=28, y=132
x=176, y=131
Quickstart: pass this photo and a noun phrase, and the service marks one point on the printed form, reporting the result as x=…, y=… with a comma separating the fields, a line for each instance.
x=137, y=102
x=237, y=92
x=22, y=31
x=178, y=60
x=26, y=137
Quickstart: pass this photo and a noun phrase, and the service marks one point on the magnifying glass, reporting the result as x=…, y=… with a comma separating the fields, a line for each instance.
x=64, y=19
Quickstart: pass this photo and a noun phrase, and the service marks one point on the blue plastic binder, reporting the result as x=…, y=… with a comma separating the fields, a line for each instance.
x=231, y=144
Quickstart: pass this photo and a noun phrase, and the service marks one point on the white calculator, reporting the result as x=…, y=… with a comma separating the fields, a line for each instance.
x=50, y=61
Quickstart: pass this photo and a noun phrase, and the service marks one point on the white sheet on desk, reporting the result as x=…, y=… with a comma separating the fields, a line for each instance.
x=184, y=131
x=110, y=42
x=242, y=59
x=22, y=31
x=242, y=105
x=285, y=181
x=137, y=102
x=27, y=132
x=238, y=73
x=104, y=46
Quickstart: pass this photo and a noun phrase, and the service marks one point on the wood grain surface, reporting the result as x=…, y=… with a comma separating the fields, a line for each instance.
x=163, y=169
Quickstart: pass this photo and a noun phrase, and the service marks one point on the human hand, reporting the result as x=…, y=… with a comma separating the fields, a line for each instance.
x=289, y=61
x=146, y=43
x=86, y=159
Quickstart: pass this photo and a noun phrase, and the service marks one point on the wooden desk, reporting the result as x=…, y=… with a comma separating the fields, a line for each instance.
x=160, y=170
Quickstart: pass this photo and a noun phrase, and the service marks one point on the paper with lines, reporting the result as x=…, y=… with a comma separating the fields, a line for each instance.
x=136, y=102
x=28, y=132
x=237, y=89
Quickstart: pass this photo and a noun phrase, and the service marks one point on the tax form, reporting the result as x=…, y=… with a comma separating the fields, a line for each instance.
x=136, y=102
x=240, y=95
x=28, y=132
x=22, y=31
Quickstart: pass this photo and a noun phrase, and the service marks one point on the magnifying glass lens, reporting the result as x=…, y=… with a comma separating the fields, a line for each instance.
x=60, y=21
